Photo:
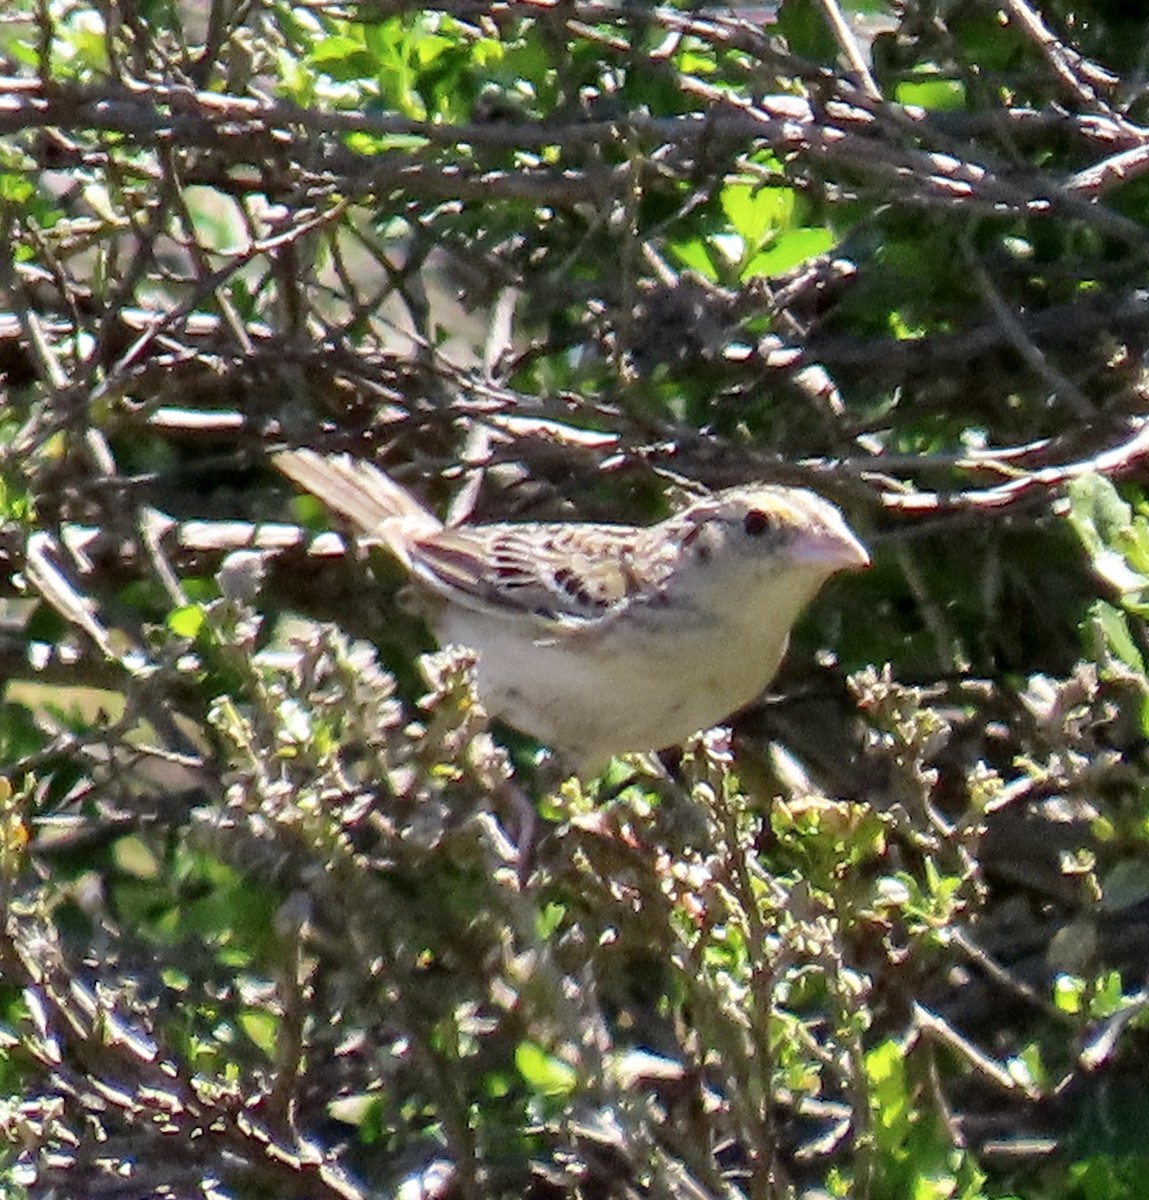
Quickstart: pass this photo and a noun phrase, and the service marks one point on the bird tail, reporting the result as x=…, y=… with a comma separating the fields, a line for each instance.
x=375, y=504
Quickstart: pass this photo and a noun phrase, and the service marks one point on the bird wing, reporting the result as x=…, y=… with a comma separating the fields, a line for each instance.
x=567, y=575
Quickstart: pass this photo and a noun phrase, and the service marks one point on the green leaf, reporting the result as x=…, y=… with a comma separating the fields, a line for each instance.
x=886, y=1071
x=187, y=621
x=364, y=1110
x=549, y=918
x=790, y=249
x=1116, y=637
x=940, y=95
x=261, y=1026
x=133, y=856
x=756, y=212
x=1068, y=991
x=543, y=1072
x=1097, y=513
x=695, y=256
x=343, y=58
x=369, y=143
x=15, y=189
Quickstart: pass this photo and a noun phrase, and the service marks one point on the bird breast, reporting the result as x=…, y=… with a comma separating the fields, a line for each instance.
x=650, y=680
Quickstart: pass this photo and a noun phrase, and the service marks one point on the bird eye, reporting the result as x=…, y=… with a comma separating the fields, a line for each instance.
x=755, y=522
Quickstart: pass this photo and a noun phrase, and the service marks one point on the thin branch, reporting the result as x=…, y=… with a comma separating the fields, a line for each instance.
x=848, y=44
x=1063, y=387
x=1080, y=78
x=944, y=1034
x=1117, y=460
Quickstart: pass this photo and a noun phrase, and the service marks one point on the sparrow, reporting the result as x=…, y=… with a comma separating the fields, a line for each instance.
x=601, y=639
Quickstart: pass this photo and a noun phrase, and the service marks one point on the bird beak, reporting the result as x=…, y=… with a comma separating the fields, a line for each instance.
x=855, y=555
x=834, y=549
